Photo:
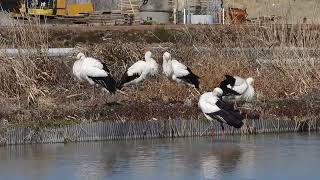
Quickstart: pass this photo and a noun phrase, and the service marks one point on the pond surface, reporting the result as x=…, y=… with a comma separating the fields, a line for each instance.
x=285, y=156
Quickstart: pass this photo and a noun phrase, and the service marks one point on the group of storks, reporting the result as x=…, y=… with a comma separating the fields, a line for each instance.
x=212, y=104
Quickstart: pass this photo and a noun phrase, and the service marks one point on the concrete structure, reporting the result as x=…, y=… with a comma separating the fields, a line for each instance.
x=105, y=5
x=202, y=19
x=155, y=17
x=155, y=11
x=198, y=11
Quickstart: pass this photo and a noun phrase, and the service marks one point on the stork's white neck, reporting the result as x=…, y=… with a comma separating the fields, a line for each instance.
x=147, y=56
x=82, y=58
x=167, y=61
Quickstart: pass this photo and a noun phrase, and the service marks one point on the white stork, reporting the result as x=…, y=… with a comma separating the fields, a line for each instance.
x=94, y=72
x=179, y=72
x=76, y=68
x=239, y=87
x=214, y=108
x=139, y=71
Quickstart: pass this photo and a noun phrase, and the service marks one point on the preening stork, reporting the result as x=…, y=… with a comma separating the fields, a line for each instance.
x=139, y=71
x=239, y=87
x=214, y=108
x=94, y=72
x=179, y=72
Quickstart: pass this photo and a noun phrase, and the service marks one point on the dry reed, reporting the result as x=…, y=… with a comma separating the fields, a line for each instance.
x=22, y=75
x=279, y=57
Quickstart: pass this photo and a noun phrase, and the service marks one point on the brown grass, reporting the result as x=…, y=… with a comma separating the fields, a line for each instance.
x=41, y=88
x=22, y=75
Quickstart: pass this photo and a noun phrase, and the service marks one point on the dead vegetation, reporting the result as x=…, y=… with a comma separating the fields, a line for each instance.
x=283, y=59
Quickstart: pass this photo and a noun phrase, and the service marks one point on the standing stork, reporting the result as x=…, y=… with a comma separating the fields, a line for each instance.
x=139, y=71
x=239, y=87
x=179, y=72
x=76, y=68
x=214, y=108
x=94, y=72
x=167, y=69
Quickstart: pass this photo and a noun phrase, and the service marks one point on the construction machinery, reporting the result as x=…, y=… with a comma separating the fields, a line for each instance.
x=51, y=8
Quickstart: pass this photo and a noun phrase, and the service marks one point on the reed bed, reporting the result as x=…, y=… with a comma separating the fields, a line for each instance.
x=39, y=91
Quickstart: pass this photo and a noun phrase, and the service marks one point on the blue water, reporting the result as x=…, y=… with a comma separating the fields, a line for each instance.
x=285, y=156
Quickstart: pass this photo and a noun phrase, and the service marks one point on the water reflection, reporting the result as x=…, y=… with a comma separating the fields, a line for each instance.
x=220, y=159
x=33, y=160
x=200, y=158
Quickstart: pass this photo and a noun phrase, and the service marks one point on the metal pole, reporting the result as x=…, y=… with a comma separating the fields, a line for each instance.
x=222, y=6
x=175, y=7
x=184, y=16
x=188, y=14
x=174, y=16
x=222, y=15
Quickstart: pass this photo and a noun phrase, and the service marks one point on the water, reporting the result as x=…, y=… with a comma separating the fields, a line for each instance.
x=286, y=156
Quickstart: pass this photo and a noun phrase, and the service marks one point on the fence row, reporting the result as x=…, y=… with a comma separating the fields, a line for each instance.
x=148, y=129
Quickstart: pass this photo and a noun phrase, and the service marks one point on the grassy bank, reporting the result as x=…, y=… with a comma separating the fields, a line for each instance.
x=40, y=91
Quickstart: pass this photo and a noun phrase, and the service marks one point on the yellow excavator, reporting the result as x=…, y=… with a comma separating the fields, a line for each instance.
x=51, y=8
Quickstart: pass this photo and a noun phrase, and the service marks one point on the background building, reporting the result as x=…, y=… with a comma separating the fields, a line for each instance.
x=180, y=11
